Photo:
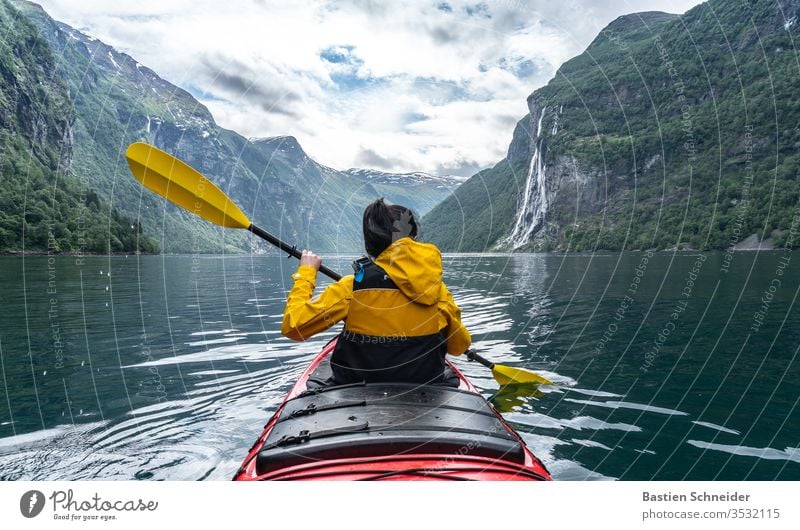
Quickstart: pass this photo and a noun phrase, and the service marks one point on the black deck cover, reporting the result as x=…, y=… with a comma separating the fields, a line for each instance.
x=381, y=419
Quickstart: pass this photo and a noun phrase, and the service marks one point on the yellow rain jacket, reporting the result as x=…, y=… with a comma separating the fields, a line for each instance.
x=399, y=317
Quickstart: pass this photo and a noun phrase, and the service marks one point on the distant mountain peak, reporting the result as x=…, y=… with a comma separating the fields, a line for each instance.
x=375, y=176
x=631, y=28
x=286, y=141
x=642, y=18
x=288, y=147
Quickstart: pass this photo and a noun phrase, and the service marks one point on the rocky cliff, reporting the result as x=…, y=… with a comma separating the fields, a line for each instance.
x=44, y=207
x=667, y=132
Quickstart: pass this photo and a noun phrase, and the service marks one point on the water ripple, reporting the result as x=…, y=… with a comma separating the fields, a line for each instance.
x=628, y=405
x=792, y=454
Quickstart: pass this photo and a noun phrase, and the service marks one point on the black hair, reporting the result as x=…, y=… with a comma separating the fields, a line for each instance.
x=386, y=223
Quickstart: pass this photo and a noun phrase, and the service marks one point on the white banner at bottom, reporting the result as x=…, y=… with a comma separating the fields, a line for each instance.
x=353, y=505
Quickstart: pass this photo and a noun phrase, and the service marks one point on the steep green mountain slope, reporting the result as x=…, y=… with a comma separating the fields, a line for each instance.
x=666, y=132
x=43, y=205
x=117, y=101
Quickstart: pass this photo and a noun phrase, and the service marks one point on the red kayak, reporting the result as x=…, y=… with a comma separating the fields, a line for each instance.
x=387, y=431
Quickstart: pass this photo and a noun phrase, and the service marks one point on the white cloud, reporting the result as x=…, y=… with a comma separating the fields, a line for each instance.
x=414, y=86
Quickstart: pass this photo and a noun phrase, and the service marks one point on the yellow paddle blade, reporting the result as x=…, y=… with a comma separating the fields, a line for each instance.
x=508, y=375
x=512, y=397
x=181, y=184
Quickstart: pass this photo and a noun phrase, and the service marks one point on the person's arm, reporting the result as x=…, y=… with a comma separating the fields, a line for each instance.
x=458, y=339
x=305, y=316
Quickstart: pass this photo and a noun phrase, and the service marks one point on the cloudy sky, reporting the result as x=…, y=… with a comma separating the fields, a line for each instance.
x=434, y=86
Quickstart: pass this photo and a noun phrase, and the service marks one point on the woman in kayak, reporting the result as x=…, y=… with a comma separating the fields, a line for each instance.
x=400, y=319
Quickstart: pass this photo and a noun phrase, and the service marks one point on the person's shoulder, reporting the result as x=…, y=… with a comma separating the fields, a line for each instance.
x=346, y=281
x=421, y=247
x=430, y=246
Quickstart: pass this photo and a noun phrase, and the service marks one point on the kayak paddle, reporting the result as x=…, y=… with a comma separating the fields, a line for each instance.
x=508, y=375
x=510, y=397
x=181, y=184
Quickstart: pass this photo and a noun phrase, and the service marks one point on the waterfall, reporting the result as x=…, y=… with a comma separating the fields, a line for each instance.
x=533, y=203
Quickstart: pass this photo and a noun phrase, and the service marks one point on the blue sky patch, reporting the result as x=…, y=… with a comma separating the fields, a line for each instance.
x=339, y=55
x=521, y=68
x=525, y=69
x=344, y=72
x=350, y=80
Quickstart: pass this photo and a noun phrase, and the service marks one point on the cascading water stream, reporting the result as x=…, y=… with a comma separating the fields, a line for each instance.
x=533, y=203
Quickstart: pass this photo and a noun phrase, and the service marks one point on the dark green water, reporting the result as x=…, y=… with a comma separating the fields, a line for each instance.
x=168, y=367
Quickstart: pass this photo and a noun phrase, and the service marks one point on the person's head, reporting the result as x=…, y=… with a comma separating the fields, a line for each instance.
x=386, y=223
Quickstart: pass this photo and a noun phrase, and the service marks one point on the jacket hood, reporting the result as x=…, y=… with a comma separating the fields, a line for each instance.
x=416, y=269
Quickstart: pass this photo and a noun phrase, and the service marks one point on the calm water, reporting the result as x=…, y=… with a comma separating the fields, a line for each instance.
x=168, y=367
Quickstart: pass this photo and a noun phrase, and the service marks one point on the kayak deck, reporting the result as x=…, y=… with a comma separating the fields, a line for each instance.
x=395, y=431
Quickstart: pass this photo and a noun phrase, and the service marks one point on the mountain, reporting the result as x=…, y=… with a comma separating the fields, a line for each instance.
x=44, y=206
x=115, y=101
x=419, y=191
x=118, y=101
x=667, y=132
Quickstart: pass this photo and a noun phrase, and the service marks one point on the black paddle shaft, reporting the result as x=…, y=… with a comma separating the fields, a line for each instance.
x=291, y=250
x=473, y=356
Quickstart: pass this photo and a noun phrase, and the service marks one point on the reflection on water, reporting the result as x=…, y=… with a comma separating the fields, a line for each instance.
x=167, y=367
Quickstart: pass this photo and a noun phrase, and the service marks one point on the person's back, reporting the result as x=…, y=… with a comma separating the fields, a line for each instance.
x=400, y=319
